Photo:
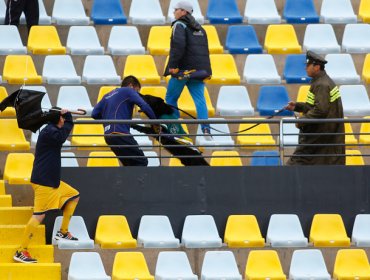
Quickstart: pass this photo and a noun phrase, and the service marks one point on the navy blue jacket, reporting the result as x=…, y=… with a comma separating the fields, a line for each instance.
x=119, y=105
x=47, y=163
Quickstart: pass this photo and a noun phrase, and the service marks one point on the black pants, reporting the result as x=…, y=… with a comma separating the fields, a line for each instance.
x=14, y=9
x=132, y=150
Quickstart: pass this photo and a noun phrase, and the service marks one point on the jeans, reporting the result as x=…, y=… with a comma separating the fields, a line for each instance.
x=196, y=89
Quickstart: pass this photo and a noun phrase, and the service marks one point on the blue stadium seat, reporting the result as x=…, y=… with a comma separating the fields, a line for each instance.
x=300, y=11
x=295, y=69
x=242, y=39
x=223, y=11
x=265, y=158
x=271, y=99
x=108, y=12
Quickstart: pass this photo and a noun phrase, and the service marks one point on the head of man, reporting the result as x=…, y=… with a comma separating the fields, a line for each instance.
x=314, y=64
x=182, y=8
x=131, y=82
x=56, y=116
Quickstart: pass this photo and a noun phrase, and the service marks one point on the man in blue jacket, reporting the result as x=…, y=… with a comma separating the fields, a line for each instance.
x=119, y=105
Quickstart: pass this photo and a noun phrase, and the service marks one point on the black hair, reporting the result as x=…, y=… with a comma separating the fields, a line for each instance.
x=54, y=114
x=130, y=80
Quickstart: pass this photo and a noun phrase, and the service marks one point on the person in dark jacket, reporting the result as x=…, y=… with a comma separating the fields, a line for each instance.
x=323, y=102
x=14, y=9
x=50, y=192
x=119, y=105
x=188, y=52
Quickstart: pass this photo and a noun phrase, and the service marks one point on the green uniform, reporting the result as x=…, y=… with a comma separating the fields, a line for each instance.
x=323, y=102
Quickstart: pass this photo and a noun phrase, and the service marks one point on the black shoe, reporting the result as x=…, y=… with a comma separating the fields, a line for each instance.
x=24, y=257
x=65, y=236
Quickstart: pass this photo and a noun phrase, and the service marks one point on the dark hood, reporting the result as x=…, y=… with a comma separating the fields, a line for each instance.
x=190, y=21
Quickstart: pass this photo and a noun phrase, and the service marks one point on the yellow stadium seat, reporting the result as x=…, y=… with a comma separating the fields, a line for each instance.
x=175, y=162
x=243, y=231
x=255, y=137
x=350, y=138
x=15, y=215
x=365, y=128
x=12, y=137
x=281, y=39
x=18, y=168
x=142, y=67
x=10, y=111
x=19, y=69
x=44, y=39
x=159, y=40
x=186, y=103
x=99, y=160
x=355, y=158
x=302, y=93
x=225, y=158
x=12, y=235
x=366, y=69
x=39, y=271
x=158, y=91
x=130, y=266
x=327, y=230
x=88, y=142
x=214, y=44
x=351, y=264
x=113, y=232
x=103, y=91
x=364, y=11
x=43, y=254
x=2, y=187
x=224, y=70
x=264, y=264
x=5, y=201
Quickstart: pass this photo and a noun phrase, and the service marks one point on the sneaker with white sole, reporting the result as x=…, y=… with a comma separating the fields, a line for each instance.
x=24, y=257
x=65, y=236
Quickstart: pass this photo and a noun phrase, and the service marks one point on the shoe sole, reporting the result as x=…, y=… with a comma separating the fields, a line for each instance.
x=64, y=239
x=22, y=261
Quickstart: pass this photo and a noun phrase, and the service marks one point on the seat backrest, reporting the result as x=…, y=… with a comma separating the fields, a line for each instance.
x=100, y=69
x=159, y=40
x=261, y=12
x=59, y=69
x=364, y=10
x=302, y=11
x=84, y=40
x=11, y=42
x=87, y=264
x=118, y=45
x=100, y=159
x=262, y=264
x=225, y=158
x=220, y=136
x=108, y=12
x=265, y=158
x=9, y=111
x=173, y=264
x=225, y=12
x=214, y=44
x=295, y=69
x=272, y=99
x=91, y=142
x=224, y=69
x=220, y=265
x=69, y=159
x=44, y=40
x=69, y=12
x=12, y=138
x=130, y=265
x=18, y=168
x=281, y=39
x=234, y=101
x=354, y=157
x=242, y=39
x=355, y=100
x=20, y=69
x=337, y=11
x=356, y=38
x=146, y=12
x=73, y=98
x=361, y=227
x=351, y=262
x=308, y=263
x=143, y=67
x=261, y=69
x=320, y=38
x=341, y=68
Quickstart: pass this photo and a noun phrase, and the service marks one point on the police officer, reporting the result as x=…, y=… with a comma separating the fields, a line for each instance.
x=323, y=102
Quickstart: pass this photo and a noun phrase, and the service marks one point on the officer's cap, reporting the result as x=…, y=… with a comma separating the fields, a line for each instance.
x=184, y=5
x=314, y=58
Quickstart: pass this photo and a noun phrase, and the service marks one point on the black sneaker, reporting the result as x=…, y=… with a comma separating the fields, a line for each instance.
x=24, y=257
x=65, y=236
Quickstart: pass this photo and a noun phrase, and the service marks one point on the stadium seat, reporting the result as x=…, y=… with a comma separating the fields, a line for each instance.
x=69, y=159
x=10, y=111
x=351, y=264
x=364, y=131
x=350, y=139
x=295, y=69
x=108, y=12
x=364, y=11
x=289, y=134
x=360, y=231
x=265, y=158
x=142, y=139
x=262, y=264
x=219, y=265
x=341, y=69
x=2, y=187
x=242, y=39
x=261, y=12
x=83, y=40
x=113, y=232
x=44, y=40
x=11, y=42
x=307, y=265
x=102, y=159
x=257, y=137
x=44, y=18
x=11, y=234
x=96, y=142
x=118, y=45
x=337, y=11
x=2, y=12
x=221, y=138
x=243, y=231
x=271, y=99
x=320, y=38
x=354, y=157
x=130, y=265
x=200, y=231
x=20, y=69
x=197, y=13
x=175, y=162
x=224, y=70
x=214, y=44
x=59, y=69
x=223, y=12
x=260, y=69
x=86, y=265
x=153, y=158
x=74, y=98
x=147, y=12
x=225, y=158
x=285, y=230
x=173, y=265
x=5, y=201
x=78, y=227
x=356, y=38
x=234, y=101
x=40, y=271
x=281, y=39
x=327, y=230
x=159, y=40
x=301, y=11
x=302, y=93
x=99, y=69
x=45, y=102
x=142, y=67
x=69, y=12
x=355, y=100
x=18, y=168
x=12, y=137
x=366, y=70
x=156, y=232
x=103, y=91
x=187, y=104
